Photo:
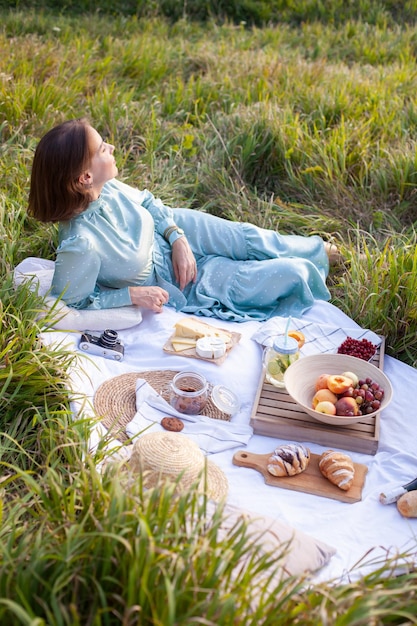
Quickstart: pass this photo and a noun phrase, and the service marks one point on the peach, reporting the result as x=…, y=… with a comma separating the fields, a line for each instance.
x=348, y=407
x=338, y=383
x=353, y=377
x=326, y=407
x=321, y=382
x=323, y=395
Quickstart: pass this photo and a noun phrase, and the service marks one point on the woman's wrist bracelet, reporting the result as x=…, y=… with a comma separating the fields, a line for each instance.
x=172, y=233
x=168, y=231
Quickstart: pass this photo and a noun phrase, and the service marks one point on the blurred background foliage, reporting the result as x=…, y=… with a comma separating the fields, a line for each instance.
x=250, y=12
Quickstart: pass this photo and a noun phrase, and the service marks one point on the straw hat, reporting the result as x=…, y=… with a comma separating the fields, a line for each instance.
x=168, y=456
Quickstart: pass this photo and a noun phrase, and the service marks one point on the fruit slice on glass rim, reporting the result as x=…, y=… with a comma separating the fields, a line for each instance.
x=298, y=336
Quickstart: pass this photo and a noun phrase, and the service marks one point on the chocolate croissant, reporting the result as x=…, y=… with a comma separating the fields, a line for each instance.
x=338, y=468
x=288, y=460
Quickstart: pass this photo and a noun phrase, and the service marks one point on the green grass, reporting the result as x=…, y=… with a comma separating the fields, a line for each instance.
x=299, y=116
x=308, y=129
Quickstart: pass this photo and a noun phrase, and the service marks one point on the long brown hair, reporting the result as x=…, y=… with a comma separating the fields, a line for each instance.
x=61, y=156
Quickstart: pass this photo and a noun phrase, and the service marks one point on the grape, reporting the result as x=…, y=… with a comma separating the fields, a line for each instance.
x=368, y=395
x=361, y=348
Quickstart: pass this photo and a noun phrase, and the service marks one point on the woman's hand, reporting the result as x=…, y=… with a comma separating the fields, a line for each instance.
x=151, y=297
x=183, y=262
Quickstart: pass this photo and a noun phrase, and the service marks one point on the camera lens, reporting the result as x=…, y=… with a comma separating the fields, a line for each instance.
x=108, y=338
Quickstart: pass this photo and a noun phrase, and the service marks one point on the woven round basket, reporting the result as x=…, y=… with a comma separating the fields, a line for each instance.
x=115, y=400
x=166, y=456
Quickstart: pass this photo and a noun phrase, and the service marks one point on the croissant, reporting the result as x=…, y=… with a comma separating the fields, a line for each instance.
x=288, y=460
x=338, y=468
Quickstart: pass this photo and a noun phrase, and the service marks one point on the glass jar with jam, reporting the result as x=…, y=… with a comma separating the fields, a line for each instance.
x=189, y=392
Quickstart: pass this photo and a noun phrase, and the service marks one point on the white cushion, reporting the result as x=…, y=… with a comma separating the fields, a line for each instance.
x=297, y=552
x=39, y=272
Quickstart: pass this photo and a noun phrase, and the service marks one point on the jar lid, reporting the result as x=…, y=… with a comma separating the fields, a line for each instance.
x=225, y=399
x=285, y=345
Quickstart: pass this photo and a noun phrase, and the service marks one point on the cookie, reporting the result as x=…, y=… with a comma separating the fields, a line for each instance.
x=173, y=424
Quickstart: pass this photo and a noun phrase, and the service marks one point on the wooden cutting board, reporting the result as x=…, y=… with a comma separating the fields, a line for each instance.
x=310, y=481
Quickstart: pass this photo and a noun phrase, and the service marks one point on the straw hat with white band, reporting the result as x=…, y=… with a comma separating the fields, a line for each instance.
x=173, y=457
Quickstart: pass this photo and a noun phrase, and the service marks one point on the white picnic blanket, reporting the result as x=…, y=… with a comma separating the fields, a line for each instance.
x=362, y=532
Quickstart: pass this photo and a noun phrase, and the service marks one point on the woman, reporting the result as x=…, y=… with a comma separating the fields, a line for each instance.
x=121, y=246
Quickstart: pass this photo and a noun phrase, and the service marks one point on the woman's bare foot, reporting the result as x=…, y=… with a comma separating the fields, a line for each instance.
x=333, y=253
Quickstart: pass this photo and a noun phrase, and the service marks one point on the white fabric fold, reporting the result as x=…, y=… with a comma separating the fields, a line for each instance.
x=319, y=338
x=210, y=434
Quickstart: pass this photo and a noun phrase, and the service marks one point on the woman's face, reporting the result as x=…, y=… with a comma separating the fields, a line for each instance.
x=103, y=165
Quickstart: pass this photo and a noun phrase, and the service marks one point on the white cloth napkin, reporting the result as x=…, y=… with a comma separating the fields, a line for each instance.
x=320, y=338
x=210, y=434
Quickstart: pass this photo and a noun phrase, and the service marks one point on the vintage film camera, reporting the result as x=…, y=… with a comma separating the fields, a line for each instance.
x=107, y=344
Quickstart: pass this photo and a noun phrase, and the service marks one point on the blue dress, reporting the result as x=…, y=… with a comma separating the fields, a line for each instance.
x=244, y=272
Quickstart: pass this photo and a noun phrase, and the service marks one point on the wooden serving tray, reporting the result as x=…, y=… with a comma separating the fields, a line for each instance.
x=310, y=481
x=275, y=414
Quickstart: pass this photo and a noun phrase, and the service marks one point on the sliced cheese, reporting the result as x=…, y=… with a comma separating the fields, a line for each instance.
x=180, y=347
x=210, y=347
x=185, y=340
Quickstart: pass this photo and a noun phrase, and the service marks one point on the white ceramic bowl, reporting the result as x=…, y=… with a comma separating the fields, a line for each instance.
x=301, y=376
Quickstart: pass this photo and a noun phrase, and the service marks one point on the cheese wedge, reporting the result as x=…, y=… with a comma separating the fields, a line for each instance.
x=190, y=327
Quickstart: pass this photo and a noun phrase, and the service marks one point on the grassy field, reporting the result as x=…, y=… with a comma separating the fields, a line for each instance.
x=307, y=125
